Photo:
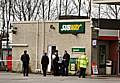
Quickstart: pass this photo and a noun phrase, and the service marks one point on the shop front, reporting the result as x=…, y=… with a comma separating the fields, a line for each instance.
x=105, y=51
x=49, y=36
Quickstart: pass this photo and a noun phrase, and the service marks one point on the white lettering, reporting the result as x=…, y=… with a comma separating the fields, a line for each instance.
x=65, y=27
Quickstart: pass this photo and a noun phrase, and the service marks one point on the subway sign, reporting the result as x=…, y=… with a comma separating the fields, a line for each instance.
x=72, y=27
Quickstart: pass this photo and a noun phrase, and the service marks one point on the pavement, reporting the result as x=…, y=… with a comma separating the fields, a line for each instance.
x=9, y=77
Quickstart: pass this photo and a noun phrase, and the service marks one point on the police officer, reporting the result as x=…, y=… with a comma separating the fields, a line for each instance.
x=83, y=60
x=25, y=60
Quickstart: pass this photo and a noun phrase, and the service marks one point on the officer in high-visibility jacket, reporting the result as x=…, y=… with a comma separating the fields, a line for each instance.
x=83, y=61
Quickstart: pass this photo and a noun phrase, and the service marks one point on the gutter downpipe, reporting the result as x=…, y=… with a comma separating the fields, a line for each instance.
x=43, y=35
x=42, y=42
x=37, y=47
x=43, y=25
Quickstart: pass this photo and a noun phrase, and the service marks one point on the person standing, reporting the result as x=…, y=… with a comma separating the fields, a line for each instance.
x=83, y=60
x=44, y=62
x=55, y=63
x=66, y=59
x=25, y=60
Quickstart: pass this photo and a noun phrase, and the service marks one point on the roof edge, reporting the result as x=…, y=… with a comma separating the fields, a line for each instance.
x=54, y=21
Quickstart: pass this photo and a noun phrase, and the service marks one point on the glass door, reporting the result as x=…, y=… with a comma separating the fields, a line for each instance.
x=102, y=59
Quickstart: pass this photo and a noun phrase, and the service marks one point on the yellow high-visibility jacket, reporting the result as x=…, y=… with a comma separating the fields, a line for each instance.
x=83, y=61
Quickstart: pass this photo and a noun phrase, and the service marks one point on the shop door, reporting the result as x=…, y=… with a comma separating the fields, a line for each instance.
x=102, y=59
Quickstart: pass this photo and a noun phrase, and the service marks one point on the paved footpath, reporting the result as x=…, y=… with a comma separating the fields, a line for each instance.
x=6, y=77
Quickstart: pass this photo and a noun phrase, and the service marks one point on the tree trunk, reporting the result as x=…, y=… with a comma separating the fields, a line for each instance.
x=79, y=7
x=49, y=10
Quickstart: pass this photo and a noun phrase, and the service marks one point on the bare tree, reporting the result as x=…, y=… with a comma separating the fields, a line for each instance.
x=114, y=11
x=82, y=6
x=27, y=10
x=24, y=10
x=60, y=8
x=49, y=9
x=106, y=11
x=79, y=7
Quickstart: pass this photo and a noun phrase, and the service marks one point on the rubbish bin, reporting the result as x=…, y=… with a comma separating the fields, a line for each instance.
x=108, y=67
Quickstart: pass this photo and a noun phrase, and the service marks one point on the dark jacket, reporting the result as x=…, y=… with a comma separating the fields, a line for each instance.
x=55, y=60
x=45, y=60
x=25, y=58
x=66, y=59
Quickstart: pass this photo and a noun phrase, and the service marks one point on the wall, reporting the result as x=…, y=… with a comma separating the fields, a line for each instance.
x=39, y=35
x=26, y=34
x=114, y=56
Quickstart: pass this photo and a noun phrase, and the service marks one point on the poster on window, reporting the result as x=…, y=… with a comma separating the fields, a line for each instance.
x=94, y=69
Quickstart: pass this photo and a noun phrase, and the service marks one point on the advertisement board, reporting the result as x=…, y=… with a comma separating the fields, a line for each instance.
x=72, y=27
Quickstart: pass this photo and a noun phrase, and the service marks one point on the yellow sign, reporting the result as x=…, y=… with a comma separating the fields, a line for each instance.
x=75, y=27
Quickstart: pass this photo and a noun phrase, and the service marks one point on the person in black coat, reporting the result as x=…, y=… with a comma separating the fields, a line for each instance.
x=44, y=62
x=66, y=59
x=25, y=60
x=55, y=64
